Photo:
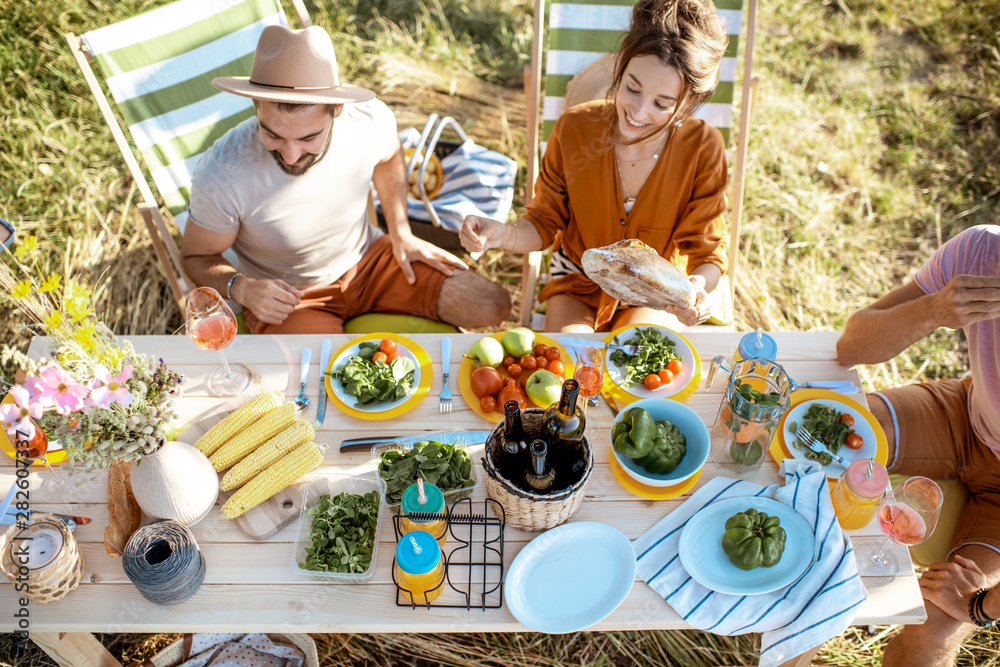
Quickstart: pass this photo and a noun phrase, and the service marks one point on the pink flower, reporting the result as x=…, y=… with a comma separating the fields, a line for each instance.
x=61, y=390
x=104, y=389
x=20, y=412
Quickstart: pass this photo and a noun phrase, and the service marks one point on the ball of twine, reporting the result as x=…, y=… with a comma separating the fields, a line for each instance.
x=164, y=562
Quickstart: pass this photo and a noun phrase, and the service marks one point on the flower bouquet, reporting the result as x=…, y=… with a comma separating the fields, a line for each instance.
x=95, y=394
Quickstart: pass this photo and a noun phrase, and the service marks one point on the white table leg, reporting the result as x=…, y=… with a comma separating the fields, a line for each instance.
x=74, y=649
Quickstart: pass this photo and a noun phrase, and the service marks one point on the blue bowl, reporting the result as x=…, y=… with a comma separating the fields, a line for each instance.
x=691, y=427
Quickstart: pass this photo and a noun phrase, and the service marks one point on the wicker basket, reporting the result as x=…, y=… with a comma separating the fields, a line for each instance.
x=54, y=580
x=534, y=511
x=173, y=654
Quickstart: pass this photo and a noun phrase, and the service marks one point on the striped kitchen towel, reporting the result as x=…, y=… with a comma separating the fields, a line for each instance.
x=793, y=619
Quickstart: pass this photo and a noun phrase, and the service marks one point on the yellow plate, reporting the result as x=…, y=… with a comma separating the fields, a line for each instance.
x=779, y=449
x=422, y=379
x=651, y=492
x=679, y=389
x=465, y=372
x=53, y=456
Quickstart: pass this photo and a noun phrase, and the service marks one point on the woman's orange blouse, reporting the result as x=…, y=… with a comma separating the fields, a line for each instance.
x=578, y=200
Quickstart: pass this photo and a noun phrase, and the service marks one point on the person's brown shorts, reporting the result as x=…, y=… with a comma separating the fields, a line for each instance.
x=934, y=439
x=374, y=285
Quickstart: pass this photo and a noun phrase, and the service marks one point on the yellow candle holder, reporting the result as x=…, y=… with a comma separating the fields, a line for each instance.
x=58, y=564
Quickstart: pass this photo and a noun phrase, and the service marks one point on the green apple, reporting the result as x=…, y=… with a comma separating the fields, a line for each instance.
x=519, y=341
x=543, y=388
x=486, y=352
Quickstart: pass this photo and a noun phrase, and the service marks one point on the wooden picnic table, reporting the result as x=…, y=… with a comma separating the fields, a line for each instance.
x=249, y=586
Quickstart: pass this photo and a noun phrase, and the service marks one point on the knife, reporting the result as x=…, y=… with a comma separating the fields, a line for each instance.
x=324, y=359
x=72, y=521
x=464, y=439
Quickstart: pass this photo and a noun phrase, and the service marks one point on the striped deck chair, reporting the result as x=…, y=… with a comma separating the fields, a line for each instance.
x=581, y=32
x=159, y=67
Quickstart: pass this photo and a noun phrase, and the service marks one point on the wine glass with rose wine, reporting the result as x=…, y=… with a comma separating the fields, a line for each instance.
x=34, y=448
x=589, y=374
x=212, y=326
x=908, y=514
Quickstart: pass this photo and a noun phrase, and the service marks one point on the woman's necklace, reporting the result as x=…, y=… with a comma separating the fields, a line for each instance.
x=629, y=199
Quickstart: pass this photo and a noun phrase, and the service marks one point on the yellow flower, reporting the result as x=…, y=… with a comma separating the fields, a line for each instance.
x=53, y=321
x=85, y=337
x=78, y=309
x=51, y=284
x=21, y=290
x=75, y=290
x=25, y=248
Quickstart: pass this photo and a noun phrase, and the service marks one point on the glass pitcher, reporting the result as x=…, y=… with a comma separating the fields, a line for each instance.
x=756, y=397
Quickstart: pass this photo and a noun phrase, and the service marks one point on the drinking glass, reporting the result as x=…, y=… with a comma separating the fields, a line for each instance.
x=589, y=374
x=35, y=449
x=212, y=326
x=908, y=515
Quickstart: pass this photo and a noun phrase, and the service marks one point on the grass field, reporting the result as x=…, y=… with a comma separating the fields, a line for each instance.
x=876, y=137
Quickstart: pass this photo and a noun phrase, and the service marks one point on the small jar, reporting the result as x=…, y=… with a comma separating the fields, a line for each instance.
x=858, y=492
x=434, y=505
x=419, y=567
x=757, y=344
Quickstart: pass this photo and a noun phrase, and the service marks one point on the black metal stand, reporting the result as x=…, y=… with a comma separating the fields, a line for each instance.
x=479, y=551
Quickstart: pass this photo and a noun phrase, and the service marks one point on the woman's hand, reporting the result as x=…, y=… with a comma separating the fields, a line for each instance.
x=702, y=307
x=949, y=586
x=480, y=234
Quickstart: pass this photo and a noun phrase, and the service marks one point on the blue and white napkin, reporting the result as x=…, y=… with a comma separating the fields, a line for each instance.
x=793, y=619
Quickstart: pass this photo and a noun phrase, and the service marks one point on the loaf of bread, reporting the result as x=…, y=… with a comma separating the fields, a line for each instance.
x=634, y=273
x=124, y=515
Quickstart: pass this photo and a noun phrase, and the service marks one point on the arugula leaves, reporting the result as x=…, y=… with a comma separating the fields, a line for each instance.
x=343, y=533
x=446, y=466
x=373, y=383
x=823, y=421
x=657, y=352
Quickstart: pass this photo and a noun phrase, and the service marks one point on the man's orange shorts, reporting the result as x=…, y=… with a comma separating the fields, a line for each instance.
x=935, y=439
x=374, y=285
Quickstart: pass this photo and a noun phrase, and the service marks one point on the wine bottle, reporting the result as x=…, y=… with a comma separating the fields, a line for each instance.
x=514, y=441
x=540, y=475
x=564, y=421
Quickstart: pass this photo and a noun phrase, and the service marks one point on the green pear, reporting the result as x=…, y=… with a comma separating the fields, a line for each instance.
x=543, y=388
x=519, y=341
x=486, y=352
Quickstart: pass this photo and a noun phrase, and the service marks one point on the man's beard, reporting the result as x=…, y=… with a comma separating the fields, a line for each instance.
x=304, y=162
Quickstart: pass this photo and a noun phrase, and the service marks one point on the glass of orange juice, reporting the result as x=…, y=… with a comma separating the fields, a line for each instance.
x=858, y=492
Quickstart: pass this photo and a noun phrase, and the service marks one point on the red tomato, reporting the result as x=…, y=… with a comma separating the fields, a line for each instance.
x=666, y=375
x=540, y=350
x=845, y=418
x=557, y=367
x=391, y=357
x=527, y=362
x=854, y=441
x=387, y=345
x=523, y=382
x=515, y=371
x=508, y=360
x=485, y=381
x=488, y=404
x=541, y=362
x=379, y=357
x=675, y=366
x=552, y=353
x=652, y=382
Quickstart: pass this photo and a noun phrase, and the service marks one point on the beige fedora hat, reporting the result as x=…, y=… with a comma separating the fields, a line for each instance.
x=297, y=66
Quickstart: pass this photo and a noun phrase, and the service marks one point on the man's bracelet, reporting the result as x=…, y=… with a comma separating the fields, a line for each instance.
x=976, y=613
x=517, y=236
x=229, y=287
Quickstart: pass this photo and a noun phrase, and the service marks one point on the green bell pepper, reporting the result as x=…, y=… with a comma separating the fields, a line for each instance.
x=633, y=436
x=753, y=539
x=669, y=447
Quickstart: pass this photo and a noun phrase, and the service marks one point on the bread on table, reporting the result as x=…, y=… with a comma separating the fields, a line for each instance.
x=634, y=273
x=124, y=515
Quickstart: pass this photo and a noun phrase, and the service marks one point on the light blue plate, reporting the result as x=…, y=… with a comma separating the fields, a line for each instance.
x=701, y=553
x=570, y=577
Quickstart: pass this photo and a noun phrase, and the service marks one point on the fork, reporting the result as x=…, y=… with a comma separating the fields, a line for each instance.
x=302, y=401
x=445, y=405
x=809, y=440
x=582, y=342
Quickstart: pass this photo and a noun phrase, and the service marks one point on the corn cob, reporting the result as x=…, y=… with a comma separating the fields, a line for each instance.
x=237, y=421
x=250, y=438
x=287, y=440
x=277, y=477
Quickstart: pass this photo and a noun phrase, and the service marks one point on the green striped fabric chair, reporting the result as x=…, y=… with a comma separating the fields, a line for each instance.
x=582, y=32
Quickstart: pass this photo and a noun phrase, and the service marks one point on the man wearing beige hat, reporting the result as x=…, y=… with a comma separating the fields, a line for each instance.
x=288, y=189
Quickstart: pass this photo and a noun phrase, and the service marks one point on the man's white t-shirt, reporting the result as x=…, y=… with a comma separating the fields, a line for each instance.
x=307, y=230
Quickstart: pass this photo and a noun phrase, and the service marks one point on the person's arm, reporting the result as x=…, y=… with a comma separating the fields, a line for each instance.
x=882, y=330
x=201, y=258
x=479, y=233
x=950, y=586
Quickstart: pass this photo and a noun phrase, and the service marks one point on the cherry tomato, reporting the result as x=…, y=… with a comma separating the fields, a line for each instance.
x=541, y=362
x=488, y=404
x=515, y=371
x=552, y=353
x=508, y=360
x=557, y=367
x=666, y=375
x=540, y=350
x=387, y=345
x=652, y=382
x=675, y=366
x=854, y=441
x=523, y=382
x=379, y=357
x=847, y=419
x=528, y=362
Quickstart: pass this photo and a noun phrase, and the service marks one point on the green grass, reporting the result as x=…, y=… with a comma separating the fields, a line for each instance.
x=876, y=137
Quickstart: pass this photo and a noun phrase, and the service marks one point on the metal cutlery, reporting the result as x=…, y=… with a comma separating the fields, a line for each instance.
x=583, y=342
x=365, y=444
x=445, y=400
x=324, y=361
x=810, y=441
x=839, y=386
x=302, y=401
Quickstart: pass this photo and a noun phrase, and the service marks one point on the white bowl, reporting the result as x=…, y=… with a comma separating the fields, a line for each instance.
x=691, y=427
